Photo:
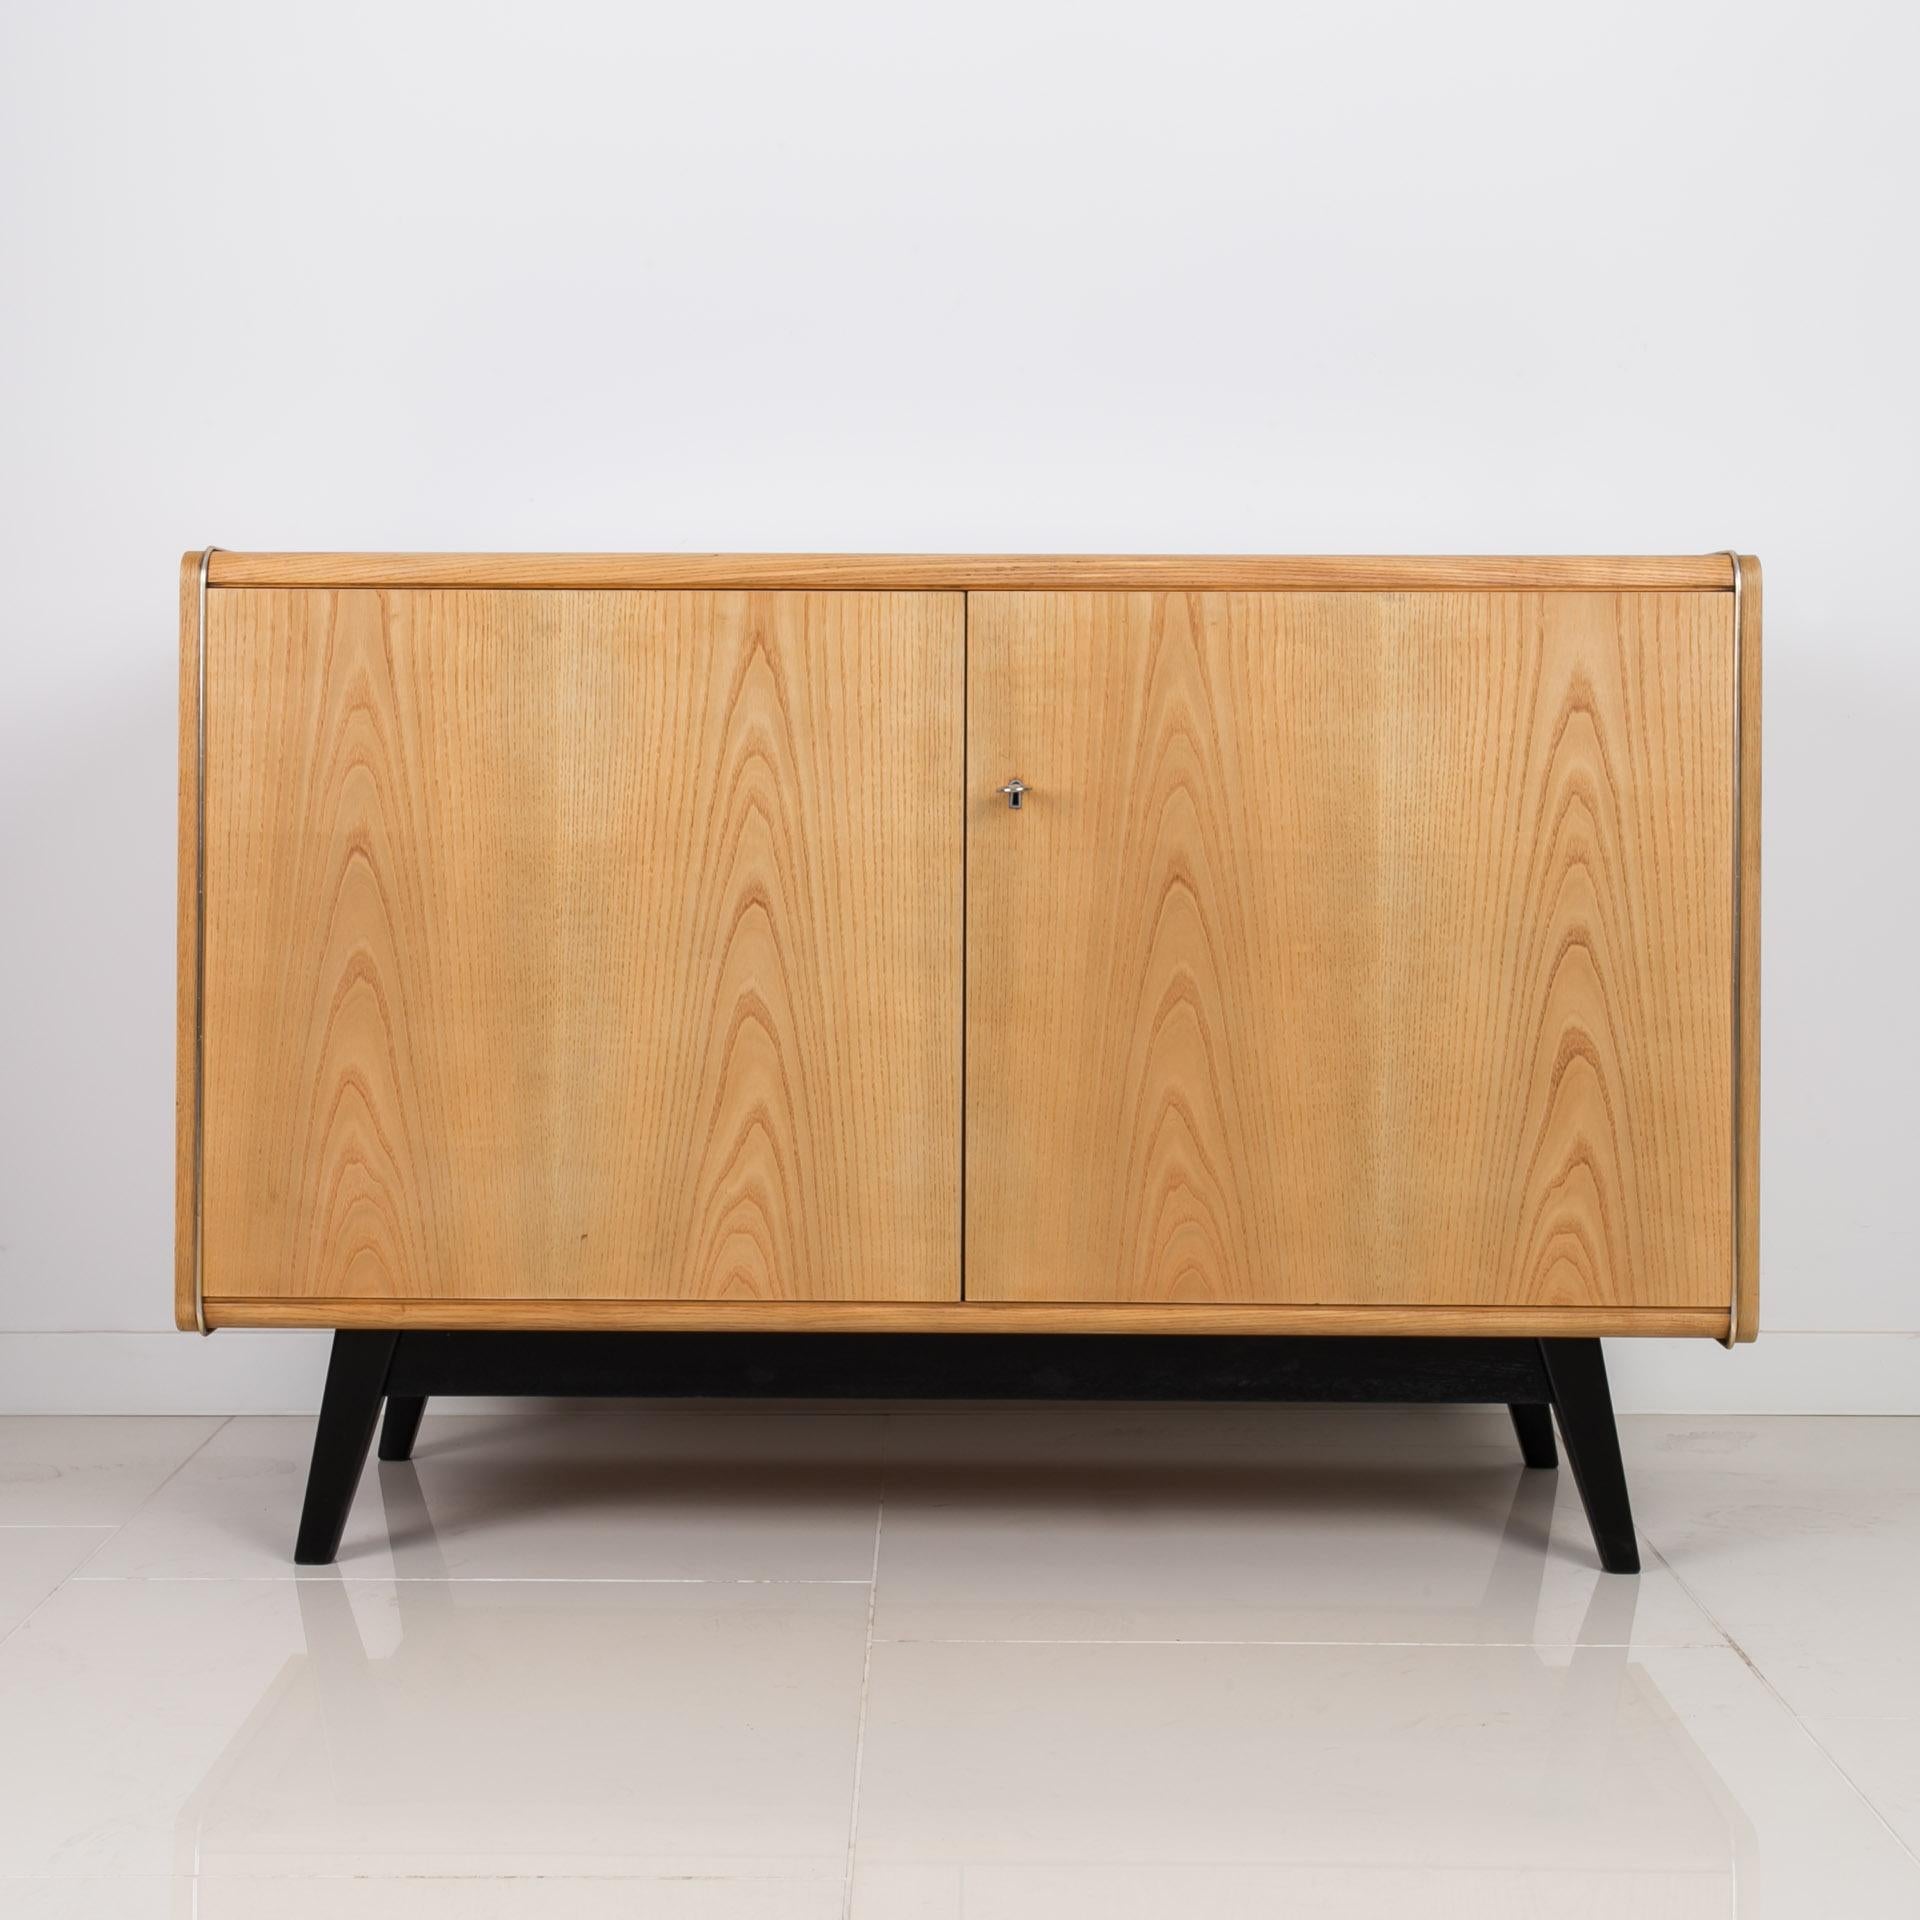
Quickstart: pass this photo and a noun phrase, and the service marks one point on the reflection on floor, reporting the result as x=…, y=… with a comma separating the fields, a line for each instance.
x=990, y=1663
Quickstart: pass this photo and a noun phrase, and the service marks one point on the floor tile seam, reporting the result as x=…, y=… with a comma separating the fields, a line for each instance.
x=163, y=1484
x=804, y=1876
x=1535, y=1644
x=1806, y=1732
x=1518, y=1870
x=108, y=1535
x=329, y=1578
x=220, y=1424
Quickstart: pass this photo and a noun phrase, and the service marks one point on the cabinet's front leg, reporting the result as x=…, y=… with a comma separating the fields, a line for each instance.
x=1578, y=1376
x=349, y=1409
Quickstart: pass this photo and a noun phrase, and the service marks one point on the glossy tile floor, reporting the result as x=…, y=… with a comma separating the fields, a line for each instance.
x=990, y=1663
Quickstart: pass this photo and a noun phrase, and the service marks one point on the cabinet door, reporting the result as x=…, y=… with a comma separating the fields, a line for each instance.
x=1356, y=948
x=582, y=945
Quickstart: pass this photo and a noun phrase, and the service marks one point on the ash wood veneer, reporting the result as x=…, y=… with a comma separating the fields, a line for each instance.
x=1357, y=948
x=585, y=943
x=574, y=945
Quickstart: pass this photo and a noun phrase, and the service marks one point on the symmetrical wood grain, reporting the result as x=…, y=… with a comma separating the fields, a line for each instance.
x=1351, y=948
x=1326, y=573
x=582, y=945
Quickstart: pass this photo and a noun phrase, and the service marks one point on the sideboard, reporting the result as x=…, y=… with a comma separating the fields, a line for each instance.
x=1252, y=977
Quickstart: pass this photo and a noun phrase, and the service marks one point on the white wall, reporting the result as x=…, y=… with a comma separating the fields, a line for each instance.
x=1349, y=278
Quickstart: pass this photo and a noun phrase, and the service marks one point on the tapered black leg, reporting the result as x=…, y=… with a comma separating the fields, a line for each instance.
x=356, y=1379
x=1578, y=1377
x=1532, y=1426
x=402, y=1425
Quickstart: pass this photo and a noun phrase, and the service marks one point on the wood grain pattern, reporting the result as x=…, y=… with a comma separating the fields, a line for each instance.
x=186, y=949
x=582, y=944
x=1747, y=1273
x=1709, y=572
x=1357, y=949
x=886, y=1316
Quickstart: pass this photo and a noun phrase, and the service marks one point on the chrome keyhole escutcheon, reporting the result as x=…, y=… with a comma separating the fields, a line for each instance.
x=1014, y=790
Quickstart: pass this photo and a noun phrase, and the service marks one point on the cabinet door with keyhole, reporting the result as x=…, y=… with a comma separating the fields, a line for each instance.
x=1350, y=948
x=571, y=946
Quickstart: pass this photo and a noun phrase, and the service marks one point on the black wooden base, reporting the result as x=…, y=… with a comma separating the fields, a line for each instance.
x=1528, y=1376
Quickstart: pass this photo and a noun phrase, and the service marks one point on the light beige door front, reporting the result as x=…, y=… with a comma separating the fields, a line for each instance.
x=582, y=945
x=1358, y=948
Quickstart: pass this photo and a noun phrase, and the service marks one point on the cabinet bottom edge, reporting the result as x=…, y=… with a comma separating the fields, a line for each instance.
x=972, y=1316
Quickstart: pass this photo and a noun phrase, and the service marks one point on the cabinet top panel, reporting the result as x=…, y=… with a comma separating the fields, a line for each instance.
x=1704, y=573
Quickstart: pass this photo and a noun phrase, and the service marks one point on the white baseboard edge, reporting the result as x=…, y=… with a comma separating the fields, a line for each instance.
x=1778, y=1373
x=281, y=1372
x=162, y=1372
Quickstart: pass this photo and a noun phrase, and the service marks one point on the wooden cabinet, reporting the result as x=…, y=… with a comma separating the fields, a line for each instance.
x=601, y=941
